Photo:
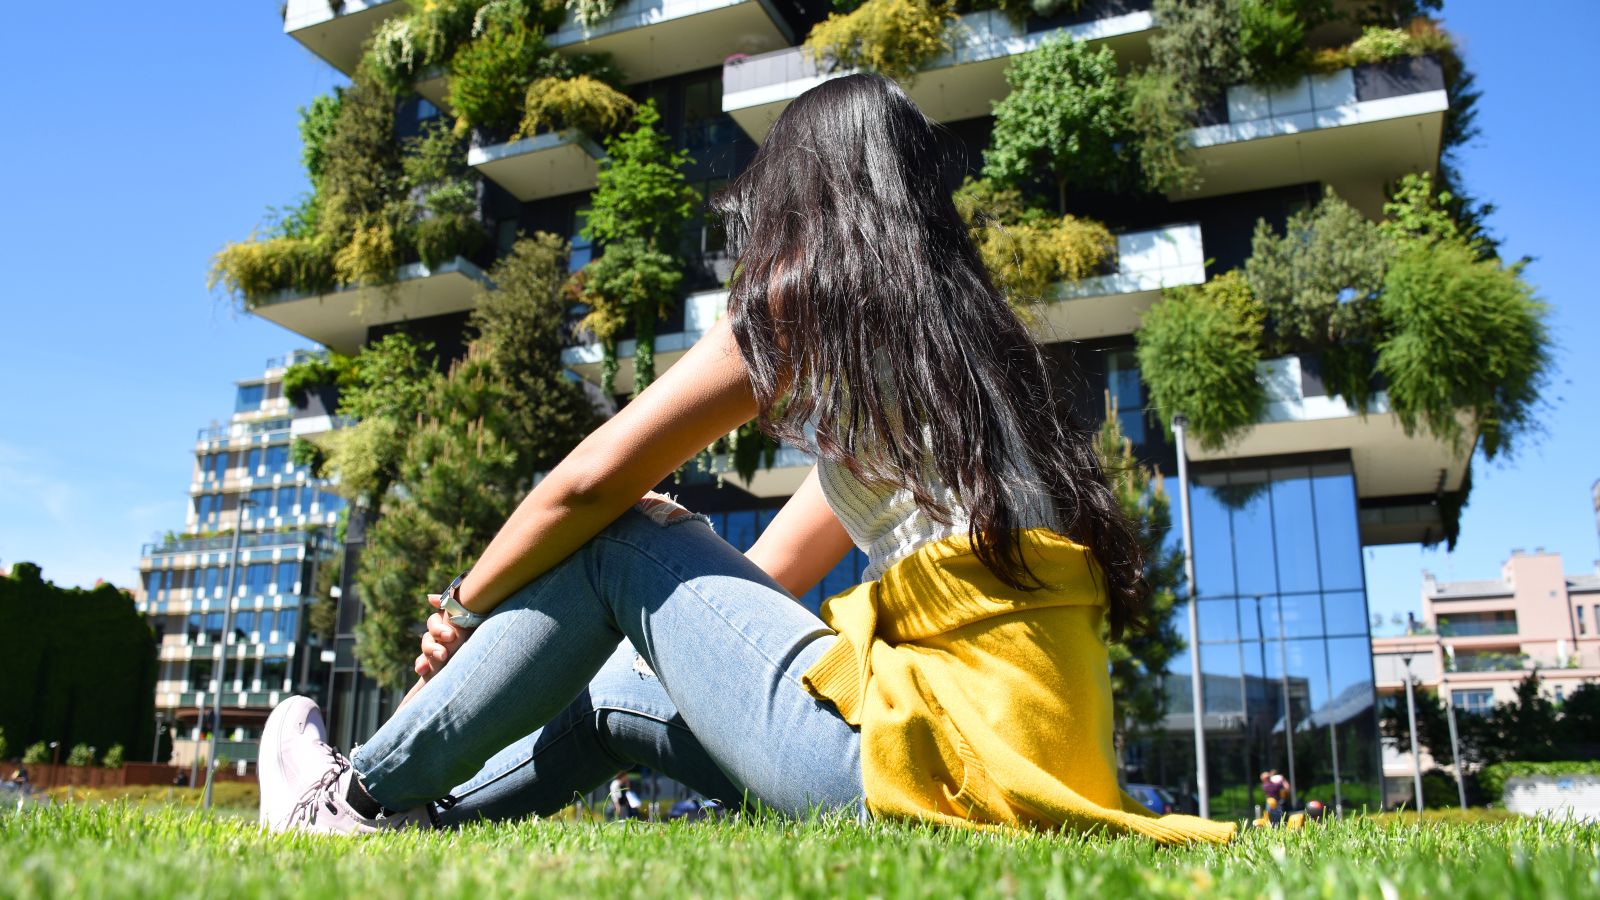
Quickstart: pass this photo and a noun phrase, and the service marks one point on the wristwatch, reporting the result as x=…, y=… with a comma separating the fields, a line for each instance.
x=458, y=615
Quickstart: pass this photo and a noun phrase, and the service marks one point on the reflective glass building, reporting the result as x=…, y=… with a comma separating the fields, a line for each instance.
x=1285, y=658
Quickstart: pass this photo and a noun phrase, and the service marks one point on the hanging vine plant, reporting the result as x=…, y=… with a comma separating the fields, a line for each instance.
x=1198, y=349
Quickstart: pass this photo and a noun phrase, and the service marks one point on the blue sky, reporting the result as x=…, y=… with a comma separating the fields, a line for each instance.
x=161, y=131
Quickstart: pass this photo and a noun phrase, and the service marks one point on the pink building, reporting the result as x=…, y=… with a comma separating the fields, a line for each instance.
x=1477, y=639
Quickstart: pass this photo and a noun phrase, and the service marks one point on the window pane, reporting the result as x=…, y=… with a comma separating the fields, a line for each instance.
x=1219, y=620
x=1346, y=613
x=1213, y=545
x=288, y=574
x=1294, y=529
x=288, y=621
x=244, y=622
x=741, y=531
x=249, y=398
x=277, y=458
x=1252, y=532
x=258, y=577
x=1338, y=534
x=1293, y=615
x=274, y=669
x=1122, y=382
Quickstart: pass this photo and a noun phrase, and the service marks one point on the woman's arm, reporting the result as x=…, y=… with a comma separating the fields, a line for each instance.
x=804, y=542
x=701, y=398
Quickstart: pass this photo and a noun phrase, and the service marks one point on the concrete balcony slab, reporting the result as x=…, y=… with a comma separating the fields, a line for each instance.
x=338, y=36
x=339, y=319
x=545, y=165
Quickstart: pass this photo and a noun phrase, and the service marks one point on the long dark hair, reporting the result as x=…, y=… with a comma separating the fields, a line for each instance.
x=861, y=306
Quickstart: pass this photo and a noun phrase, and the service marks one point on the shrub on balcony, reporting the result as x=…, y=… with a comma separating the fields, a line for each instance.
x=256, y=269
x=404, y=47
x=1027, y=249
x=630, y=283
x=489, y=75
x=582, y=102
x=1465, y=334
x=590, y=13
x=1198, y=349
x=311, y=374
x=375, y=204
x=1318, y=283
x=317, y=124
x=1208, y=45
x=1380, y=44
x=895, y=38
x=370, y=256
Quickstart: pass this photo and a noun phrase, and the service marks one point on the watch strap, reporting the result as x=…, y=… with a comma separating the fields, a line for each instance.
x=459, y=615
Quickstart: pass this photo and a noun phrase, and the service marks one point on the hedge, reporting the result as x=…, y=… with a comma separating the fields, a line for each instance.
x=1493, y=778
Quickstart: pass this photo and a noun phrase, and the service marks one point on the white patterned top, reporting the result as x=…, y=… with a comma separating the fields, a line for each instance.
x=885, y=523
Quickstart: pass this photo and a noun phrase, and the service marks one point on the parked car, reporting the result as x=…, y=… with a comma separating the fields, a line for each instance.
x=1158, y=800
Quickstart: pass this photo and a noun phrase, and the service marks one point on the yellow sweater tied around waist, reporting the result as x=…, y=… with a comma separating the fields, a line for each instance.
x=984, y=705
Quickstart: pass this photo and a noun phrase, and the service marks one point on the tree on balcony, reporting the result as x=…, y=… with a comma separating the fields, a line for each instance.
x=1064, y=121
x=638, y=210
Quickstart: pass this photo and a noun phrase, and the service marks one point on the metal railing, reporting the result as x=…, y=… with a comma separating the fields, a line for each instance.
x=225, y=542
x=1472, y=628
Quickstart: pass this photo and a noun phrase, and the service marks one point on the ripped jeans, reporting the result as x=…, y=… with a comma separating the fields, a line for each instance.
x=656, y=643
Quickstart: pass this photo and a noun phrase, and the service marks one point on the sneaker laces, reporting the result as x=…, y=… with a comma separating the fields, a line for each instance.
x=322, y=794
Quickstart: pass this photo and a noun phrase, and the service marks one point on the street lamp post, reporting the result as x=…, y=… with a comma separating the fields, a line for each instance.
x=1450, y=717
x=222, y=662
x=1202, y=781
x=55, y=762
x=1416, y=749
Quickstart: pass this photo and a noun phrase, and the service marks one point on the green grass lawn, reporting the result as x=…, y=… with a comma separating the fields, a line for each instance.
x=124, y=849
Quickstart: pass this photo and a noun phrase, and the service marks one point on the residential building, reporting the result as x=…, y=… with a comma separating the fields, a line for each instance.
x=286, y=531
x=1280, y=515
x=1477, y=640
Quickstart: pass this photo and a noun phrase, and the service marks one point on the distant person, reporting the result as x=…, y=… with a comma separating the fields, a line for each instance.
x=1315, y=810
x=181, y=779
x=863, y=326
x=624, y=800
x=1276, y=789
x=19, y=777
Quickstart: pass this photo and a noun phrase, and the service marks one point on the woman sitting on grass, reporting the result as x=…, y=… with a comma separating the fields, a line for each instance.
x=965, y=682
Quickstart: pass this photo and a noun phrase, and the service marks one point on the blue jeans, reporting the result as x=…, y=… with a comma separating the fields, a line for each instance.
x=655, y=643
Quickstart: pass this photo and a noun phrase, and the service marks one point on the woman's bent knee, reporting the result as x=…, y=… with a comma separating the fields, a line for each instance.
x=663, y=509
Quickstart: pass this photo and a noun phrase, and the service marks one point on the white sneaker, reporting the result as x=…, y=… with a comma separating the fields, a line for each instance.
x=280, y=764
x=304, y=780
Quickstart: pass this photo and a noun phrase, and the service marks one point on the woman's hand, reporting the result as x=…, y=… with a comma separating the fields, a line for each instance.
x=438, y=642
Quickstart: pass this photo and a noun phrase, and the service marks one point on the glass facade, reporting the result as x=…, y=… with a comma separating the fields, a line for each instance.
x=1285, y=656
x=741, y=528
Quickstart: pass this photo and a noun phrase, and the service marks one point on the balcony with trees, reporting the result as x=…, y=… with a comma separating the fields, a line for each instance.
x=337, y=30
x=652, y=39
x=952, y=58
